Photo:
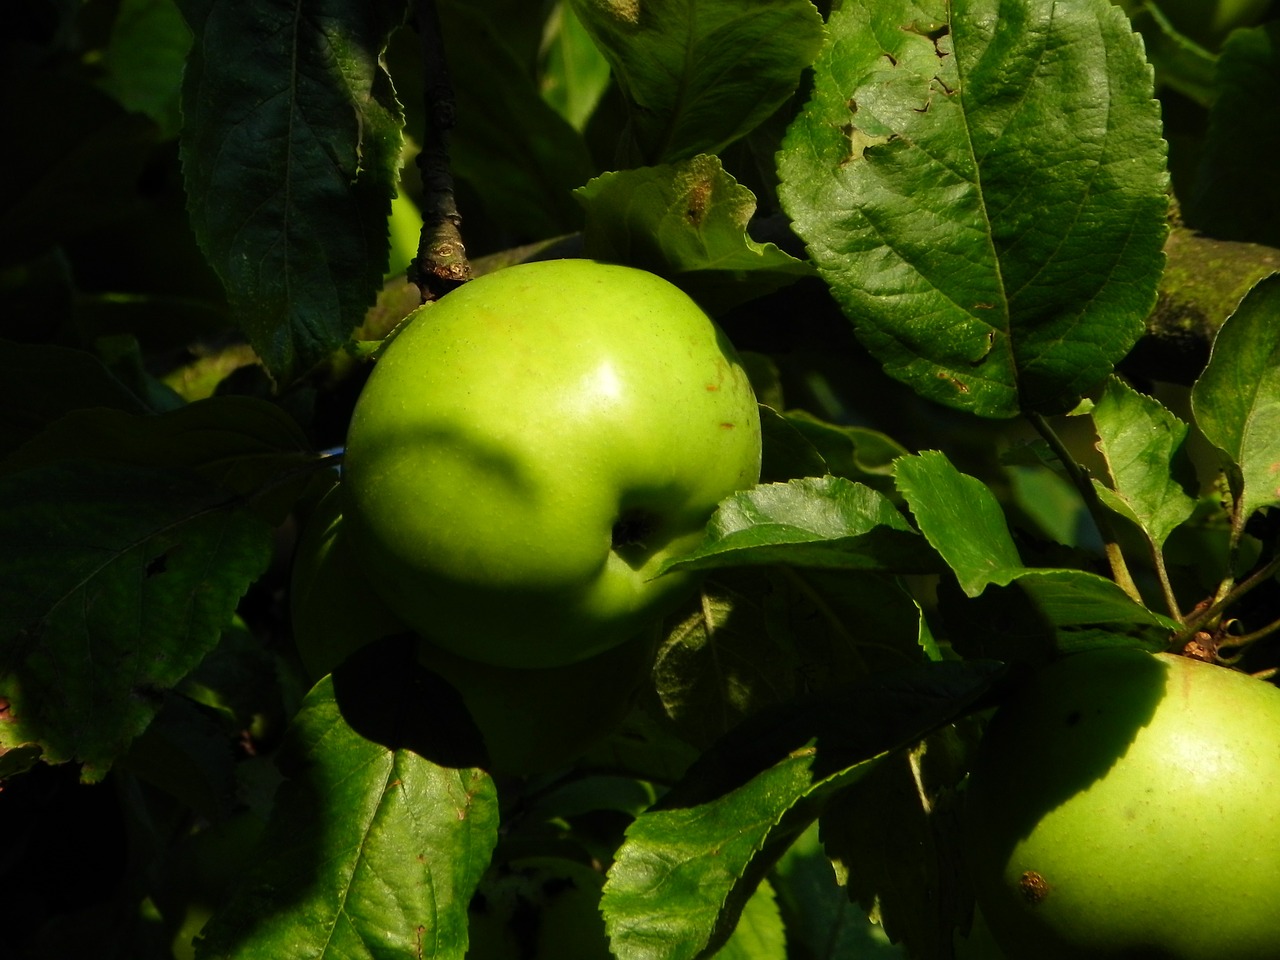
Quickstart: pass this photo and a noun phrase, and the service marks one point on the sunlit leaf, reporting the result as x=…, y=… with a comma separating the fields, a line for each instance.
x=369, y=854
x=982, y=184
x=1237, y=398
x=1144, y=448
x=688, y=222
x=824, y=522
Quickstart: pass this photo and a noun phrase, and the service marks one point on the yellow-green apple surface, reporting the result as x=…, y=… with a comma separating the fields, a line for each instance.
x=1125, y=804
x=530, y=449
x=532, y=720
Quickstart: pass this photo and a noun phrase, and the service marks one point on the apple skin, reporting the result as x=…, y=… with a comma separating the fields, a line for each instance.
x=533, y=720
x=1125, y=804
x=529, y=450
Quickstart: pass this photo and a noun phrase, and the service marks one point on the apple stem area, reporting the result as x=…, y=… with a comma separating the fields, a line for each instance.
x=632, y=531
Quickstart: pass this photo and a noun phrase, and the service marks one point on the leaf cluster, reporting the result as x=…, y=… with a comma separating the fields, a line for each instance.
x=1004, y=274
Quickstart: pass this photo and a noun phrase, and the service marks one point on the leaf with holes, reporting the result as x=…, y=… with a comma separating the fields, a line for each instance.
x=115, y=582
x=687, y=222
x=982, y=185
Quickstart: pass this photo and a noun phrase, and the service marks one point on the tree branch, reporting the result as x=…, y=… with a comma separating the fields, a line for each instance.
x=441, y=264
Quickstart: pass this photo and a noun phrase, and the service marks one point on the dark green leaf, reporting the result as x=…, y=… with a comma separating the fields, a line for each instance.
x=290, y=147
x=765, y=636
x=1179, y=61
x=688, y=222
x=820, y=919
x=825, y=522
x=41, y=382
x=893, y=840
x=142, y=64
x=689, y=865
x=78, y=175
x=961, y=518
x=1237, y=196
x=1071, y=599
x=187, y=753
x=115, y=581
x=1144, y=445
x=243, y=445
x=788, y=454
x=519, y=155
x=369, y=852
x=982, y=184
x=699, y=74
x=1237, y=398
x=855, y=453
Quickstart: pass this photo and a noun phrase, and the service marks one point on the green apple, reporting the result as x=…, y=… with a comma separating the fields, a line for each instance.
x=529, y=450
x=1125, y=804
x=532, y=720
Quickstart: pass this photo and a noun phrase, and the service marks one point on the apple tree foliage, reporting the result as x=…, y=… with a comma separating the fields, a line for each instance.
x=1005, y=276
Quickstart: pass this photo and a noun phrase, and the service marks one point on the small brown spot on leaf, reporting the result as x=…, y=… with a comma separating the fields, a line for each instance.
x=697, y=200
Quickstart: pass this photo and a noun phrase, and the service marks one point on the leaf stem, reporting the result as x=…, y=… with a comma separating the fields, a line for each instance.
x=1224, y=600
x=1102, y=520
x=441, y=263
x=1244, y=639
x=1166, y=585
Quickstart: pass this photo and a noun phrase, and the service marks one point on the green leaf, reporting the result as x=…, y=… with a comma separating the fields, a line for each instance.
x=520, y=156
x=680, y=869
x=41, y=382
x=763, y=636
x=142, y=63
x=821, y=921
x=961, y=518
x=368, y=853
x=759, y=934
x=1070, y=599
x=575, y=74
x=688, y=222
x=893, y=840
x=1179, y=62
x=1237, y=398
x=788, y=454
x=699, y=74
x=689, y=865
x=856, y=453
x=825, y=522
x=1236, y=195
x=115, y=582
x=1144, y=446
x=241, y=444
x=982, y=185
x=290, y=147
